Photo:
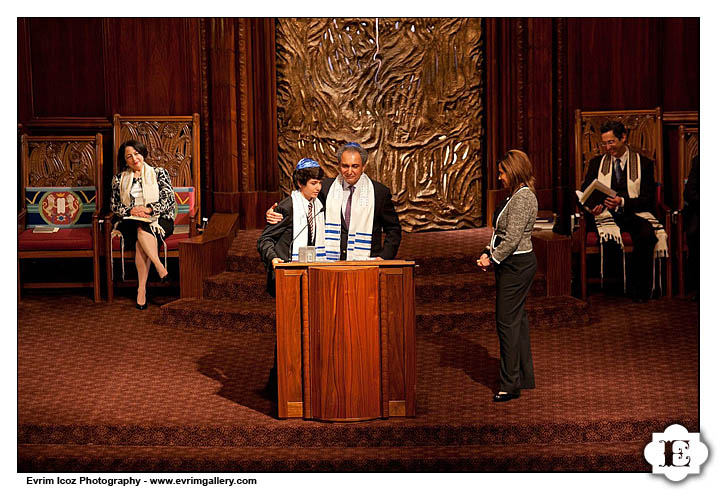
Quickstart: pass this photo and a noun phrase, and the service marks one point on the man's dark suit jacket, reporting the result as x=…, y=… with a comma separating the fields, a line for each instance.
x=645, y=200
x=385, y=219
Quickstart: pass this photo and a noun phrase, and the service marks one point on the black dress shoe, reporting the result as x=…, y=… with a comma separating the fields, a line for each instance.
x=505, y=397
x=141, y=307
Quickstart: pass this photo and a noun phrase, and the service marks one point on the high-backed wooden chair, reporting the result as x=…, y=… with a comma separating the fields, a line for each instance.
x=61, y=188
x=173, y=143
x=688, y=145
x=644, y=135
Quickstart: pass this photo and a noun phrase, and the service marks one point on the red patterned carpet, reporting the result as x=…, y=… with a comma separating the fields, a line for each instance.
x=104, y=387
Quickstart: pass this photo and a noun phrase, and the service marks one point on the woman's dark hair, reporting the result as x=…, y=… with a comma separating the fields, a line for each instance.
x=302, y=176
x=137, y=145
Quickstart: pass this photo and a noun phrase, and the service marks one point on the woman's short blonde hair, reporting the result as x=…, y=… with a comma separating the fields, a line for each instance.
x=518, y=170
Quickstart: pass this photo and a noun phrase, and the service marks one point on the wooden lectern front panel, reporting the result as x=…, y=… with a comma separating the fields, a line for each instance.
x=345, y=343
x=397, y=317
x=393, y=316
x=289, y=342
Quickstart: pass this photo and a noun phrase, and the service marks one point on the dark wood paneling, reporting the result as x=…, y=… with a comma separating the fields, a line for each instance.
x=221, y=42
x=615, y=63
x=539, y=100
x=256, y=125
x=553, y=255
x=152, y=65
x=24, y=85
x=205, y=255
x=266, y=177
x=65, y=63
x=680, y=64
x=253, y=207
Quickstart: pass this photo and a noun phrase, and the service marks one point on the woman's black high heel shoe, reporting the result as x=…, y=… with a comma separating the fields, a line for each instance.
x=165, y=278
x=141, y=307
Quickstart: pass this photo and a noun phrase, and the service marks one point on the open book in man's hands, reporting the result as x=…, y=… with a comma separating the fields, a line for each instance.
x=594, y=194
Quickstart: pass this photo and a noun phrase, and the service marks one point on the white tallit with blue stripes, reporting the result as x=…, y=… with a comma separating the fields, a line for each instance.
x=360, y=223
x=300, y=230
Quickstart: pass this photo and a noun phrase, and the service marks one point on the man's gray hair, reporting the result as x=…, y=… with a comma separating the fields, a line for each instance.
x=353, y=147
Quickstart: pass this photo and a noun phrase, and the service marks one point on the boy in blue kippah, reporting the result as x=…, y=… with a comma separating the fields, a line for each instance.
x=302, y=221
x=302, y=224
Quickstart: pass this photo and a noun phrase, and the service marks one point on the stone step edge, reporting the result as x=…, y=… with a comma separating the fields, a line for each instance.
x=337, y=436
x=239, y=307
x=597, y=447
x=593, y=457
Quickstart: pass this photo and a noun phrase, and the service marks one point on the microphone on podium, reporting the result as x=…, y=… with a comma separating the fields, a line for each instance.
x=306, y=253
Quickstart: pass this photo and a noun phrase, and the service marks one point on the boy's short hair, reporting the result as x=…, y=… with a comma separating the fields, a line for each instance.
x=302, y=176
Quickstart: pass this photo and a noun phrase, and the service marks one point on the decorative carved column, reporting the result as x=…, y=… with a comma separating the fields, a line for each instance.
x=257, y=114
x=563, y=190
x=242, y=116
x=221, y=35
x=526, y=107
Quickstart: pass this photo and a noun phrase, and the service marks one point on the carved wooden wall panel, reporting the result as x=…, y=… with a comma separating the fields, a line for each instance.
x=409, y=90
x=61, y=163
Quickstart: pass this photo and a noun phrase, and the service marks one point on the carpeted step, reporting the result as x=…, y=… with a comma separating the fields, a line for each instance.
x=466, y=287
x=376, y=434
x=231, y=285
x=222, y=314
x=626, y=456
x=251, y=287
x=245, y=264
x=443, y=264
x=544, y=312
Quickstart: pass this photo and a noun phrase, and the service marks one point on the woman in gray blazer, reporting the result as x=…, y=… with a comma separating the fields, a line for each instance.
x=510, y=252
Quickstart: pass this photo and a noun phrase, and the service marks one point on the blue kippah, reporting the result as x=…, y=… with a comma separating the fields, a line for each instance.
x=306, y=163
x=353, y=144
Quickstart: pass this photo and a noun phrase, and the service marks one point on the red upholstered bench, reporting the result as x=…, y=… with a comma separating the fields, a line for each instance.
x=70, y=239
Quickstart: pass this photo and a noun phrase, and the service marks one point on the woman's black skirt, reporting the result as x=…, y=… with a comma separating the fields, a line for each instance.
x=128, y=229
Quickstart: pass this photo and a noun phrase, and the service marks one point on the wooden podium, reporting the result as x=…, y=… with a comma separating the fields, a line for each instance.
x=346, y=340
